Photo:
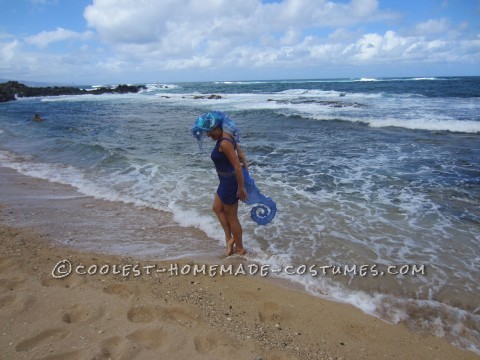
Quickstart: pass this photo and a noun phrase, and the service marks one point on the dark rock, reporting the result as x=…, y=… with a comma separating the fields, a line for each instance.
x=215, y=97
x=211, y=97
x=12, y=89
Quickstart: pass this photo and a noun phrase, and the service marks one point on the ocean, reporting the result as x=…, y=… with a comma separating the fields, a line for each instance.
x=377, y=182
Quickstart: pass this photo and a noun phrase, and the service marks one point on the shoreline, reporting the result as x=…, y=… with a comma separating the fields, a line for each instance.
x=147, y=316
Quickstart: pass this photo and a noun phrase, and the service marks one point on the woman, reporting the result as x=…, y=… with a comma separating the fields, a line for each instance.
x=228, y=158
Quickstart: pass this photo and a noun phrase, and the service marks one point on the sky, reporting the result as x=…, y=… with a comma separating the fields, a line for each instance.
x=148, y=41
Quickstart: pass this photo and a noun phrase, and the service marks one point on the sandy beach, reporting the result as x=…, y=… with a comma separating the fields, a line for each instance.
x=129, y=307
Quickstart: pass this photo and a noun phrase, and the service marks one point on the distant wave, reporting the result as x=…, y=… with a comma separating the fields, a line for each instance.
x=241, y=82
x=400, y=79
x=463, y=126
x=158, y=86
x=460, y=126
x=424, y=78
x=333, y=80
x=326, y=93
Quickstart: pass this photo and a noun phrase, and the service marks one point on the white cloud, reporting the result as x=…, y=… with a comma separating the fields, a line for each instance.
x=342, y=35
x=8, y=50
x=322, y=13
x=4, y=35
x=433, y=26
x=45, y=38
x=194, y=62
x=290, y=37
x=207, y=32
x=146, y=21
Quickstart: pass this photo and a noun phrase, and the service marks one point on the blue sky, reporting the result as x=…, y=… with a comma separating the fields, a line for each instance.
x=123, y=41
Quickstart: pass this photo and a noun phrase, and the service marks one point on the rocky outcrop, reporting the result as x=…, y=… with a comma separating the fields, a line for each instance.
x=12, y=89
x=211, y=97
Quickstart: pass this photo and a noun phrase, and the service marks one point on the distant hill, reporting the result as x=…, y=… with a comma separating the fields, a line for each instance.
x=10, y=90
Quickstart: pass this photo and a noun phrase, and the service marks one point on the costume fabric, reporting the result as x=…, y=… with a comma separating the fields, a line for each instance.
x=228, y=187
x=265, y=210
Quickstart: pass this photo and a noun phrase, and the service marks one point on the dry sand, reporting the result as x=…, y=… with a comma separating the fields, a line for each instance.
x=161, y=316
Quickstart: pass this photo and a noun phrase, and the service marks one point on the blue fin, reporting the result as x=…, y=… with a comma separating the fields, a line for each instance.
x=265, y=211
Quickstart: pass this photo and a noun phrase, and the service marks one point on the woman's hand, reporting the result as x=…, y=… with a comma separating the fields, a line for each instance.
x=242, y=194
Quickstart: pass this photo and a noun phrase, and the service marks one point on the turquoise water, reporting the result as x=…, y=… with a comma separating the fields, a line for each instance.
x=376, y=172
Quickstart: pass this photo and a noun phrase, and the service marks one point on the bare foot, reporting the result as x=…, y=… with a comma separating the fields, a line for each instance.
x=240, y=251
x=230, y=247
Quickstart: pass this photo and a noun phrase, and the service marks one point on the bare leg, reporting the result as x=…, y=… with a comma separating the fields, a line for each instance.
x=235, y=226
x=219, y=209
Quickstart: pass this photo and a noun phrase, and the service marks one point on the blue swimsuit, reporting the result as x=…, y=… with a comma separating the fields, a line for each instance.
x=228, y=188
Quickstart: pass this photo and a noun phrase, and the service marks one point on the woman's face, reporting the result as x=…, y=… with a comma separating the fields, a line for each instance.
x=215, y=134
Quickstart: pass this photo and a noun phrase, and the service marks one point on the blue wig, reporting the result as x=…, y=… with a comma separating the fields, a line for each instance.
x=209, y=121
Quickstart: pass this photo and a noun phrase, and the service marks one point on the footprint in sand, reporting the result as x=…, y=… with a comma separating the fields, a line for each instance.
x=150, y=339
x=179, y=313
x=123, y=291
x=217, y=346
x=47, y=335
x=141, y=314
x=117, y=347
x=80, y=313
x=271, y=311
x=66, y=282
x=17, y=303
